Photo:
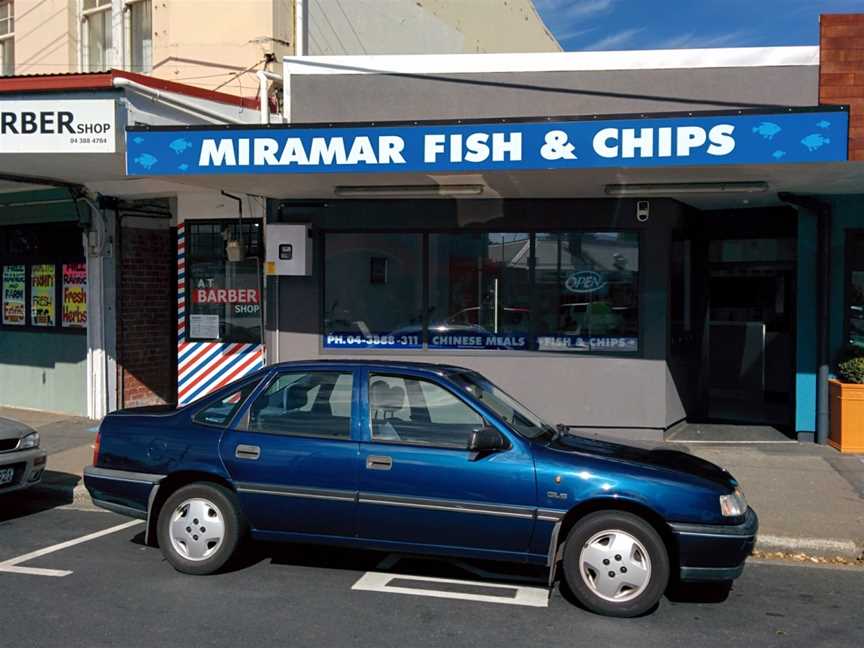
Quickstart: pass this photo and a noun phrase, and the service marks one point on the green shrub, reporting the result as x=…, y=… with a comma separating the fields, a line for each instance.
x=851, y=370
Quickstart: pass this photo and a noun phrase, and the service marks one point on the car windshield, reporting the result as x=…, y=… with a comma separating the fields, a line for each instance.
x=511, y=411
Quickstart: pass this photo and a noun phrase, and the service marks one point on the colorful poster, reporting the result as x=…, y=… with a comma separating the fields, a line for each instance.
x=43, y=310
x=13, y=295
x=74, y=295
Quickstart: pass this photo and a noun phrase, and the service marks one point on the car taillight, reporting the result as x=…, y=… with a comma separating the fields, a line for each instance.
x=96, y=447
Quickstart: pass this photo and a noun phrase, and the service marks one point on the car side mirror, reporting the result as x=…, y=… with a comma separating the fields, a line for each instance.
x=483, y=440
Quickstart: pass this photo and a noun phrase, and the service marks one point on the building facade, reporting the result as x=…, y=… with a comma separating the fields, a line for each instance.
x=164, y=38
x=624, y=240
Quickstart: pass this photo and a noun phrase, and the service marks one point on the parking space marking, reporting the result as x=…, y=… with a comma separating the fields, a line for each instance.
x=11, y=565
x=448, y=588
x=35, y=571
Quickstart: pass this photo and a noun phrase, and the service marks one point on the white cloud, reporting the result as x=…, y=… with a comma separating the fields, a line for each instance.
x=569, y=9
x=615, y=40
x=694, y=40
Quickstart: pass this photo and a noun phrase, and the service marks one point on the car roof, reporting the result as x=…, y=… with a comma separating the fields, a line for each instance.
x=376, y=364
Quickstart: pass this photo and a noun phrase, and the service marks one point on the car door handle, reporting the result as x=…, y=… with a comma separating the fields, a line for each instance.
x=244, y=451
x=379, y=463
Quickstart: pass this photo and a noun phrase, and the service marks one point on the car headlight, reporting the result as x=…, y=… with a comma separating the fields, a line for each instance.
x=734, y=504
x=29, y=441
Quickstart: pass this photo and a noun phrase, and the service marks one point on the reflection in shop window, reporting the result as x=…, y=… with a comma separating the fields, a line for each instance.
x=224, y=296
x=587, y=289
x=855, y=292
x=480, y=291
x=373, y=291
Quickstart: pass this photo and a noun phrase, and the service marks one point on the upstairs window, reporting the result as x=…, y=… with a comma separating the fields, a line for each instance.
x=97, y=45
x=7, y=38
x=139, y=28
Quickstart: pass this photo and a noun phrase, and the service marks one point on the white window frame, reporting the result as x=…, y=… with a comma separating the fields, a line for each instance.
x=9, y=36
x=127, y=35
x=84, y=33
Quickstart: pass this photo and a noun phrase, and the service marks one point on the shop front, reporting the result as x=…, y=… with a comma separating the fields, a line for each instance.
x=619, y=274
x=88, y=259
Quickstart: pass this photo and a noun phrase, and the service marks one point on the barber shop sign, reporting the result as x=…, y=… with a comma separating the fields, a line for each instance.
x=72, y=126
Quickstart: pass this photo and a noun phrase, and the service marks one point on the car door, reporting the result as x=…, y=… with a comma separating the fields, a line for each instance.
x=292, y=456
x=419, y=483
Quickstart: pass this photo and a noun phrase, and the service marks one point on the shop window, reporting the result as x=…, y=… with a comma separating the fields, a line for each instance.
x=373, y=291
x=7, y=38
x=140, y=35
x=855, y=290
x=43, y=278
x=224, y=294
x=567, y=292
x=97, y=45
x=480, y=291
x=587, y=288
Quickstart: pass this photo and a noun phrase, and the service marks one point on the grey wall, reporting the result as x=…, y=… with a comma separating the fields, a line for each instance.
x=630, y=396
x=471, y=96
x=44, y=371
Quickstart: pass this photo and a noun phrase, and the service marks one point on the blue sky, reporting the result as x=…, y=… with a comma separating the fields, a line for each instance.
x=661, y=24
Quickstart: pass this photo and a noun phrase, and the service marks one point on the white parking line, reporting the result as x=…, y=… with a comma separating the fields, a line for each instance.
x=510, y=594
x=11, y=565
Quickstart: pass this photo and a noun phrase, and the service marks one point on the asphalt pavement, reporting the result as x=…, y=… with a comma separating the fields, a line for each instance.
x=89, y=583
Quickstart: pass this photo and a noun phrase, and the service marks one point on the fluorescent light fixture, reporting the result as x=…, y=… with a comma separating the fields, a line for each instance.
x=365, y=191
x=673, y=188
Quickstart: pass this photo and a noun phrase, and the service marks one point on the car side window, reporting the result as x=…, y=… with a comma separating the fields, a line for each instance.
x=314, y=403
x=414, y=411
x=221, y=411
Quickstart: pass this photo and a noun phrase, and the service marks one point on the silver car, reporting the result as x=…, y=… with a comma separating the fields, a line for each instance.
x=22, y=462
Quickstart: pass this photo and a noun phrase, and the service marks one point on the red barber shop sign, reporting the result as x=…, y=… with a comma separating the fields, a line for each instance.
x=225, y=296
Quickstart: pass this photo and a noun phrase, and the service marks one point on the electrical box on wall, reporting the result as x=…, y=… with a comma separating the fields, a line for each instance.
x=289, y=250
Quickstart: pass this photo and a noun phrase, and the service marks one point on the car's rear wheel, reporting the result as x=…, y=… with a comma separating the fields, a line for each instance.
x=616, y=564
x=199, y=528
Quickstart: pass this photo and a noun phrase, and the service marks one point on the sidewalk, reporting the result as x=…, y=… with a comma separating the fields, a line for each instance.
x=810, y=499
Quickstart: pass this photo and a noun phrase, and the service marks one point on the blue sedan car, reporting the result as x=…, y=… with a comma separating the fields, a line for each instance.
x=418, y=458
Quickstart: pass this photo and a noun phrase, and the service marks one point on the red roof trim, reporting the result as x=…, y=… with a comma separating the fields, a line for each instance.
x=105, y=80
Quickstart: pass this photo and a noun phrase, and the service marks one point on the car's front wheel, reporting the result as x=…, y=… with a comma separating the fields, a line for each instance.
x=616, y=564
x=199, y=528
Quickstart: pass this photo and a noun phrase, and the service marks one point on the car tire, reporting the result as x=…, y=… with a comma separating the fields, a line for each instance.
x=199, y=528
x=616, y=564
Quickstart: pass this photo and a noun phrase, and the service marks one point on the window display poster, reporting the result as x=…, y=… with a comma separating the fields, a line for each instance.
x=205, y=327
x=74, y=295
x=13, y=295
x=42, y=291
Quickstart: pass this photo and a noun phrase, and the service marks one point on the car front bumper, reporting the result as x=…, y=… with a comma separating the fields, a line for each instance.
x=28, y=466
x=714, y=552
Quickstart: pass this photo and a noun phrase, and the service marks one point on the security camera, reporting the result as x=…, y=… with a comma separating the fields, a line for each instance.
x=643, y=210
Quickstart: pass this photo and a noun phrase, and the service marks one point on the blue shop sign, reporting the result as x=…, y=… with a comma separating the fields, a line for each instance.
x=706, y=140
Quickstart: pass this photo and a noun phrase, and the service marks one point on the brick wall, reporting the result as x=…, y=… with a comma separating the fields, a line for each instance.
x=147, y=314
x=841, y=71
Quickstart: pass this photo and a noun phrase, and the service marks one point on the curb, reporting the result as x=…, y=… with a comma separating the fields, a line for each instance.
x=822, y=547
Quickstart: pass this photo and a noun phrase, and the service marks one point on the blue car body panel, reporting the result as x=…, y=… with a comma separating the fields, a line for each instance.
x=508, y=504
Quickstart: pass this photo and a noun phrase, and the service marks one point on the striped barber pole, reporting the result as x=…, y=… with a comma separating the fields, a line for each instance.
x=203, y=367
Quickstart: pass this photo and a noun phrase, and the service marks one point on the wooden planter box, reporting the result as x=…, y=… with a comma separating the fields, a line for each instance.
x=847, y=416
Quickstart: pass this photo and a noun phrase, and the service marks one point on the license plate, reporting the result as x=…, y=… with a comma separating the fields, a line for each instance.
x=6, y=475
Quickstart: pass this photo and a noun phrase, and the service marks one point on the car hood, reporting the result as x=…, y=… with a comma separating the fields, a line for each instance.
x=671, y=460
x=12, y=429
